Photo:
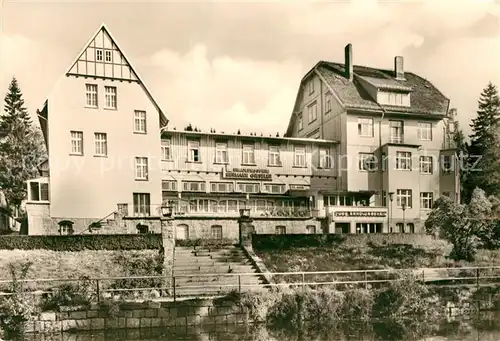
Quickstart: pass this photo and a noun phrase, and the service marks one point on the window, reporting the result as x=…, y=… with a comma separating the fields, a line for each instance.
x=365, y=127
x=66, y=229
x=98, y=55
x=101, y=144
x=221, y=153
x=426, y=164
x=410, y=228
x=140, y=121
x=142, y=205
x=108, y=56
x=400, y=228
x=310, y=229
x=194, y=151
x=216, y=232
x=328, y=102
x=396, y=131
x=142, y=229
x=91, y=95
x=300, y=157
x=367, y=162
x=300, y=123
x=141, y=168
x=280, y=229
x=426, y=199
x=312, y=111
x=395, y=98
x=275, y=188
x=311, y=86
x=403, y=196
x=446, y=164
x=248, y=154
x=221, y=187
x=169, y=185
x=166, y=152
x=403, y=160
x=110, y=97
x=248, y=187
x=424, y=131
x=325, y=161
x=274, y=156
x=193, y=186
x=39, y=191
x=77, y=143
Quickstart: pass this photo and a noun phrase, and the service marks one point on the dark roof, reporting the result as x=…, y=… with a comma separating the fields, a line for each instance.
x=425, y=97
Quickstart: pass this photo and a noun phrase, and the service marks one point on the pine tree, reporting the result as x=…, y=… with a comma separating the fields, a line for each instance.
x=482, y=139
x=20, y=147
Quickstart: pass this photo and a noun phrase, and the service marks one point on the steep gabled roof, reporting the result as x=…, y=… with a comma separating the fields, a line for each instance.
x=118, y=67
x=425, y=97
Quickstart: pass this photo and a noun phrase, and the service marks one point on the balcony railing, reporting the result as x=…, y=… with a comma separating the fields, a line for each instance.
x=396, y=138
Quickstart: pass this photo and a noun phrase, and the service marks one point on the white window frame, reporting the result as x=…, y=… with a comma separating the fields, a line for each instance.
x=221, y=152
x=424, y=131
x=426, y=200
x=248, y=154
x=110, y=54
x=426, y=164
x=216, y=232
x=367, y=162
x=76, y=142
x=142, y=204
x=194, y=152
x=403, y=160
x=91, y=95
x=280, y=229
x=275, y=188
x=110, y=96
x=397, y=131
x=193, y=186
x=312, y=112
x=166, y=150
x=140, y=121
x=36, y=186
x=169, y=185
x=99, y=55
x=244, y=186
x=101, y=144
x=446, y=164
x=221, y=187
x=365, y=127
x=141, y=168
x=274, y=156
x=325, y=160
x=299, y=156
x=300, y=124
x=404, y=196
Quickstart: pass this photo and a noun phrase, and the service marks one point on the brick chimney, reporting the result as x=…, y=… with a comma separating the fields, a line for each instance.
x=348, y=62
x=399, y=71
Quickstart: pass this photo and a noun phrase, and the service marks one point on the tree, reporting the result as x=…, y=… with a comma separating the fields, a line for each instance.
x=20, y=147
x=462, y=225
x=460, y=144
x=488, y=174
x=482, y=137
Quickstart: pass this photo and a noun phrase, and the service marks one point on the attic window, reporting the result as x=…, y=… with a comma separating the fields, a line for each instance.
x=393, y=98
x=98, y=55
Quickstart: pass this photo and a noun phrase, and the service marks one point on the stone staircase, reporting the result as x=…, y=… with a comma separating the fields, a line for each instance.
x=211, y=272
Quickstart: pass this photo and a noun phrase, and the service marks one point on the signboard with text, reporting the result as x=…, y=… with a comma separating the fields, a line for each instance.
x=360, y=214
x=247, y=174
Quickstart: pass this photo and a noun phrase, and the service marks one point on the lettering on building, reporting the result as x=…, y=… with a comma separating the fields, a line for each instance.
x=248, y=174
x=359, y=214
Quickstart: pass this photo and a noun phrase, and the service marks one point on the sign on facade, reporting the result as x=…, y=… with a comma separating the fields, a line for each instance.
x=359, y=214
x=248, y=173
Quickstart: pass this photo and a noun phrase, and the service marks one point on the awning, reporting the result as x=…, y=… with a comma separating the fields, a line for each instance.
x=168, y=177
x=302, y=181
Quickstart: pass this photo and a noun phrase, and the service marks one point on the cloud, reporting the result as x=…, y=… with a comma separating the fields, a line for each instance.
x=227, y=93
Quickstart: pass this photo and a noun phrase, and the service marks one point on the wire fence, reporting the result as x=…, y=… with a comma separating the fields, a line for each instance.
x=216, y=284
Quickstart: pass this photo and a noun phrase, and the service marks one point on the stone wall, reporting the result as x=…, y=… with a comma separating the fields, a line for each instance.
x=415, y=239
x=139, y=315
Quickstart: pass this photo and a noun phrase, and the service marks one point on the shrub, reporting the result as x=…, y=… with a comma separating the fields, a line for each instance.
x=17, y=308
x=357, y=304
x=289, y=241
x=69, y=294
x=205, y=243
x=83, y=242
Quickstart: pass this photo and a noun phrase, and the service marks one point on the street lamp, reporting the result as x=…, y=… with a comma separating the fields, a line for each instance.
x=391, y=198
x=166, y=211
x=403, y=207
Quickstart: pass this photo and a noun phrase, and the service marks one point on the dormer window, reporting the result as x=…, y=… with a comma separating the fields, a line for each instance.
x=393, y=98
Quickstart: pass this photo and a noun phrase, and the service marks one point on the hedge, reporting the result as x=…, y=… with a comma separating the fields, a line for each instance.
x=82, y=242
x=205, y=243
x=288, y=241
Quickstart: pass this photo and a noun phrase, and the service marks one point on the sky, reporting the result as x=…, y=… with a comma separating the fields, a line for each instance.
x=232, y=65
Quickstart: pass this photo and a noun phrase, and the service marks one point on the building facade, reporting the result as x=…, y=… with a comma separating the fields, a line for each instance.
x=394, y=137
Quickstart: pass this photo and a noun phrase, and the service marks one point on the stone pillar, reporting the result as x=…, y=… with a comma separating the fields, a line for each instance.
x=167, y=233
x=246, y=230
